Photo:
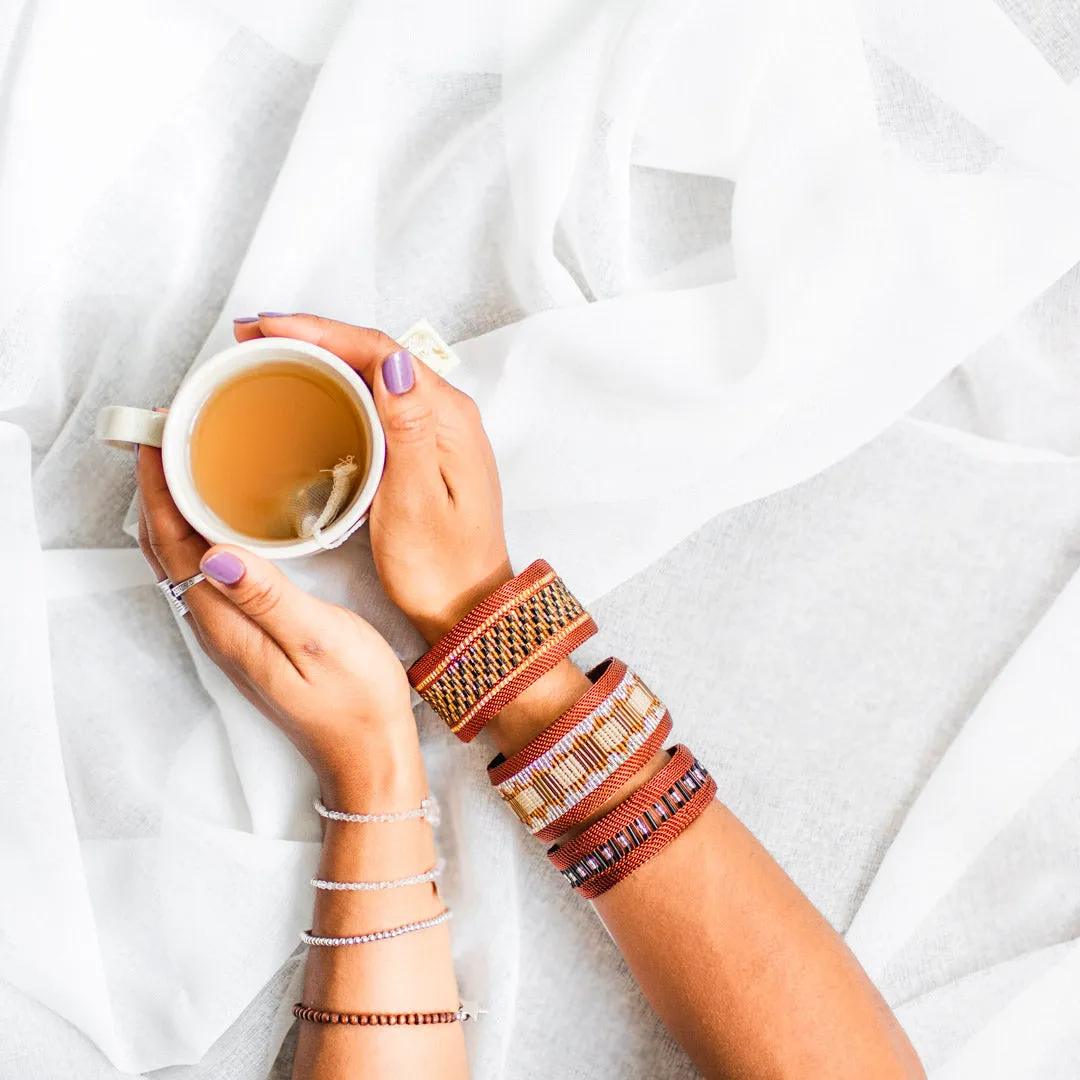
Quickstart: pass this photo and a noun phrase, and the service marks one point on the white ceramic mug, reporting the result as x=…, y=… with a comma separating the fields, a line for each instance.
x=122, y=426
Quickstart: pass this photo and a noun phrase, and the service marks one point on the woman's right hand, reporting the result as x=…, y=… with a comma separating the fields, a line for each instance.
x=436, y=523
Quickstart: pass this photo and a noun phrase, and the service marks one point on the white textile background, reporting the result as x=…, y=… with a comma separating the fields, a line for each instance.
x=692, y=254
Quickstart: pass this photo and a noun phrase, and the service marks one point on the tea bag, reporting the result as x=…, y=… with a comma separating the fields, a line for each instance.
x=316, y=504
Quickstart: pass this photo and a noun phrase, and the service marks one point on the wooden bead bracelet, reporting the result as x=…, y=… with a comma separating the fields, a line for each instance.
x=324, y=1016
x=507, y=642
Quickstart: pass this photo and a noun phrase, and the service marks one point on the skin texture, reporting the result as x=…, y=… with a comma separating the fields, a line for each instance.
x=750, y=979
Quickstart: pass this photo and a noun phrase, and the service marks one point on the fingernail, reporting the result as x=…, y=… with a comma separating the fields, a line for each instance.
x=273, y=315
x=224, y=567
x=397, y=372
x=246, y=319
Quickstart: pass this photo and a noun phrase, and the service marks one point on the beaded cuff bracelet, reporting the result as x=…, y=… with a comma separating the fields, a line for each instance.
x=519, y=633
x=577, y=764
x=622, y=841
x=324, y=1016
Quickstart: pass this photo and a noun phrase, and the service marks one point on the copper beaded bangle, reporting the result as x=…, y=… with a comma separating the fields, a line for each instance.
x=507, y=642
x=639, y=828
x=324, y=1016
x=574, y=767
x=595, y=800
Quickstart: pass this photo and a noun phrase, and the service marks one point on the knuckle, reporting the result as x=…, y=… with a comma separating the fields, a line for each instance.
x=412, y=423
x=322, y=326
x=165, y=538
x=314, y=650
x=384, y=343
x=260, y=599
x=144, y=543
x=468, y=408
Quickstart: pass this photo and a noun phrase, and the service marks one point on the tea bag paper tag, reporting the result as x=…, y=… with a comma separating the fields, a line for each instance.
x=424, y=342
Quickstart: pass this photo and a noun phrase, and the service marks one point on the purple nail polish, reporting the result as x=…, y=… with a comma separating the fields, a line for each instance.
x=246, y=319
x=273, y=315
x=224, y=567
x=397, y=372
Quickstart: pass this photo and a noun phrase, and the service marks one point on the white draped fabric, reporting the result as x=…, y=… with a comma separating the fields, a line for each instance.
x=693, y=254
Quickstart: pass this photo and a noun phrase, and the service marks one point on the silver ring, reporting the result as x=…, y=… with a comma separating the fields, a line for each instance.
x=175, y=593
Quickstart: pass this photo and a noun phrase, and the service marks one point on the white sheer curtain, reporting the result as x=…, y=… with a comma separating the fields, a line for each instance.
x=692, y=253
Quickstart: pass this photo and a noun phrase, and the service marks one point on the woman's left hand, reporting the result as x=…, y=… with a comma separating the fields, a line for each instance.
x=317, y=671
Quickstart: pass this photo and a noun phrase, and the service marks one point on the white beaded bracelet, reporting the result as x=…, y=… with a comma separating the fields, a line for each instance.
x=375, y=886
x=377, y=935
x=428, y=808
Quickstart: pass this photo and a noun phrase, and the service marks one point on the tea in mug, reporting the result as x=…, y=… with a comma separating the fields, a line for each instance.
x=267, y=434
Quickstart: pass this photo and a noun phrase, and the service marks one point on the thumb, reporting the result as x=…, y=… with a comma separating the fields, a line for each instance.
x=404, y=393
x=265, y=595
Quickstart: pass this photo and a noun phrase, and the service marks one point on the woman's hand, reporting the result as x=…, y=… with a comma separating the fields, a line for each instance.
x=436, y=523
x=318, y=671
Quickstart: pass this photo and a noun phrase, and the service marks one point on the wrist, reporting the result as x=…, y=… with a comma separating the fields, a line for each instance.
x=374, y=772
x=437, y=620
x=536, y=708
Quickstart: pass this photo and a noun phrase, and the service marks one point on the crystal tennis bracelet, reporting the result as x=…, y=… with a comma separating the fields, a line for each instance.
x=376, y=886
x=428, y=808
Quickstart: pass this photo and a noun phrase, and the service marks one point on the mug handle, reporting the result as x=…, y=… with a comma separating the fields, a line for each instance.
x=123, y=427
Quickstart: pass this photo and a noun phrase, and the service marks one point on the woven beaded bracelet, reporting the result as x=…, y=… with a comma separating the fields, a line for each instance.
x=507, y=642
x=622, y=841
x=571, y=769
x=325, y=1016
x=666, y=832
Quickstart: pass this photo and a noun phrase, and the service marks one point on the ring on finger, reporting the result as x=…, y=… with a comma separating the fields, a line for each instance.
x=174, y=593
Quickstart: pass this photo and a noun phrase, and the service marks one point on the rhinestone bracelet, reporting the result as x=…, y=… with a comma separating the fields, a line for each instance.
x=308, y=938
x=376, y=886
x=428, y=808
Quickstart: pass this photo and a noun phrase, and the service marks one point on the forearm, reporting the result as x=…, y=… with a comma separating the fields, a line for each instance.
x=406, y=974
x=746, y=974
x=742, y=969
